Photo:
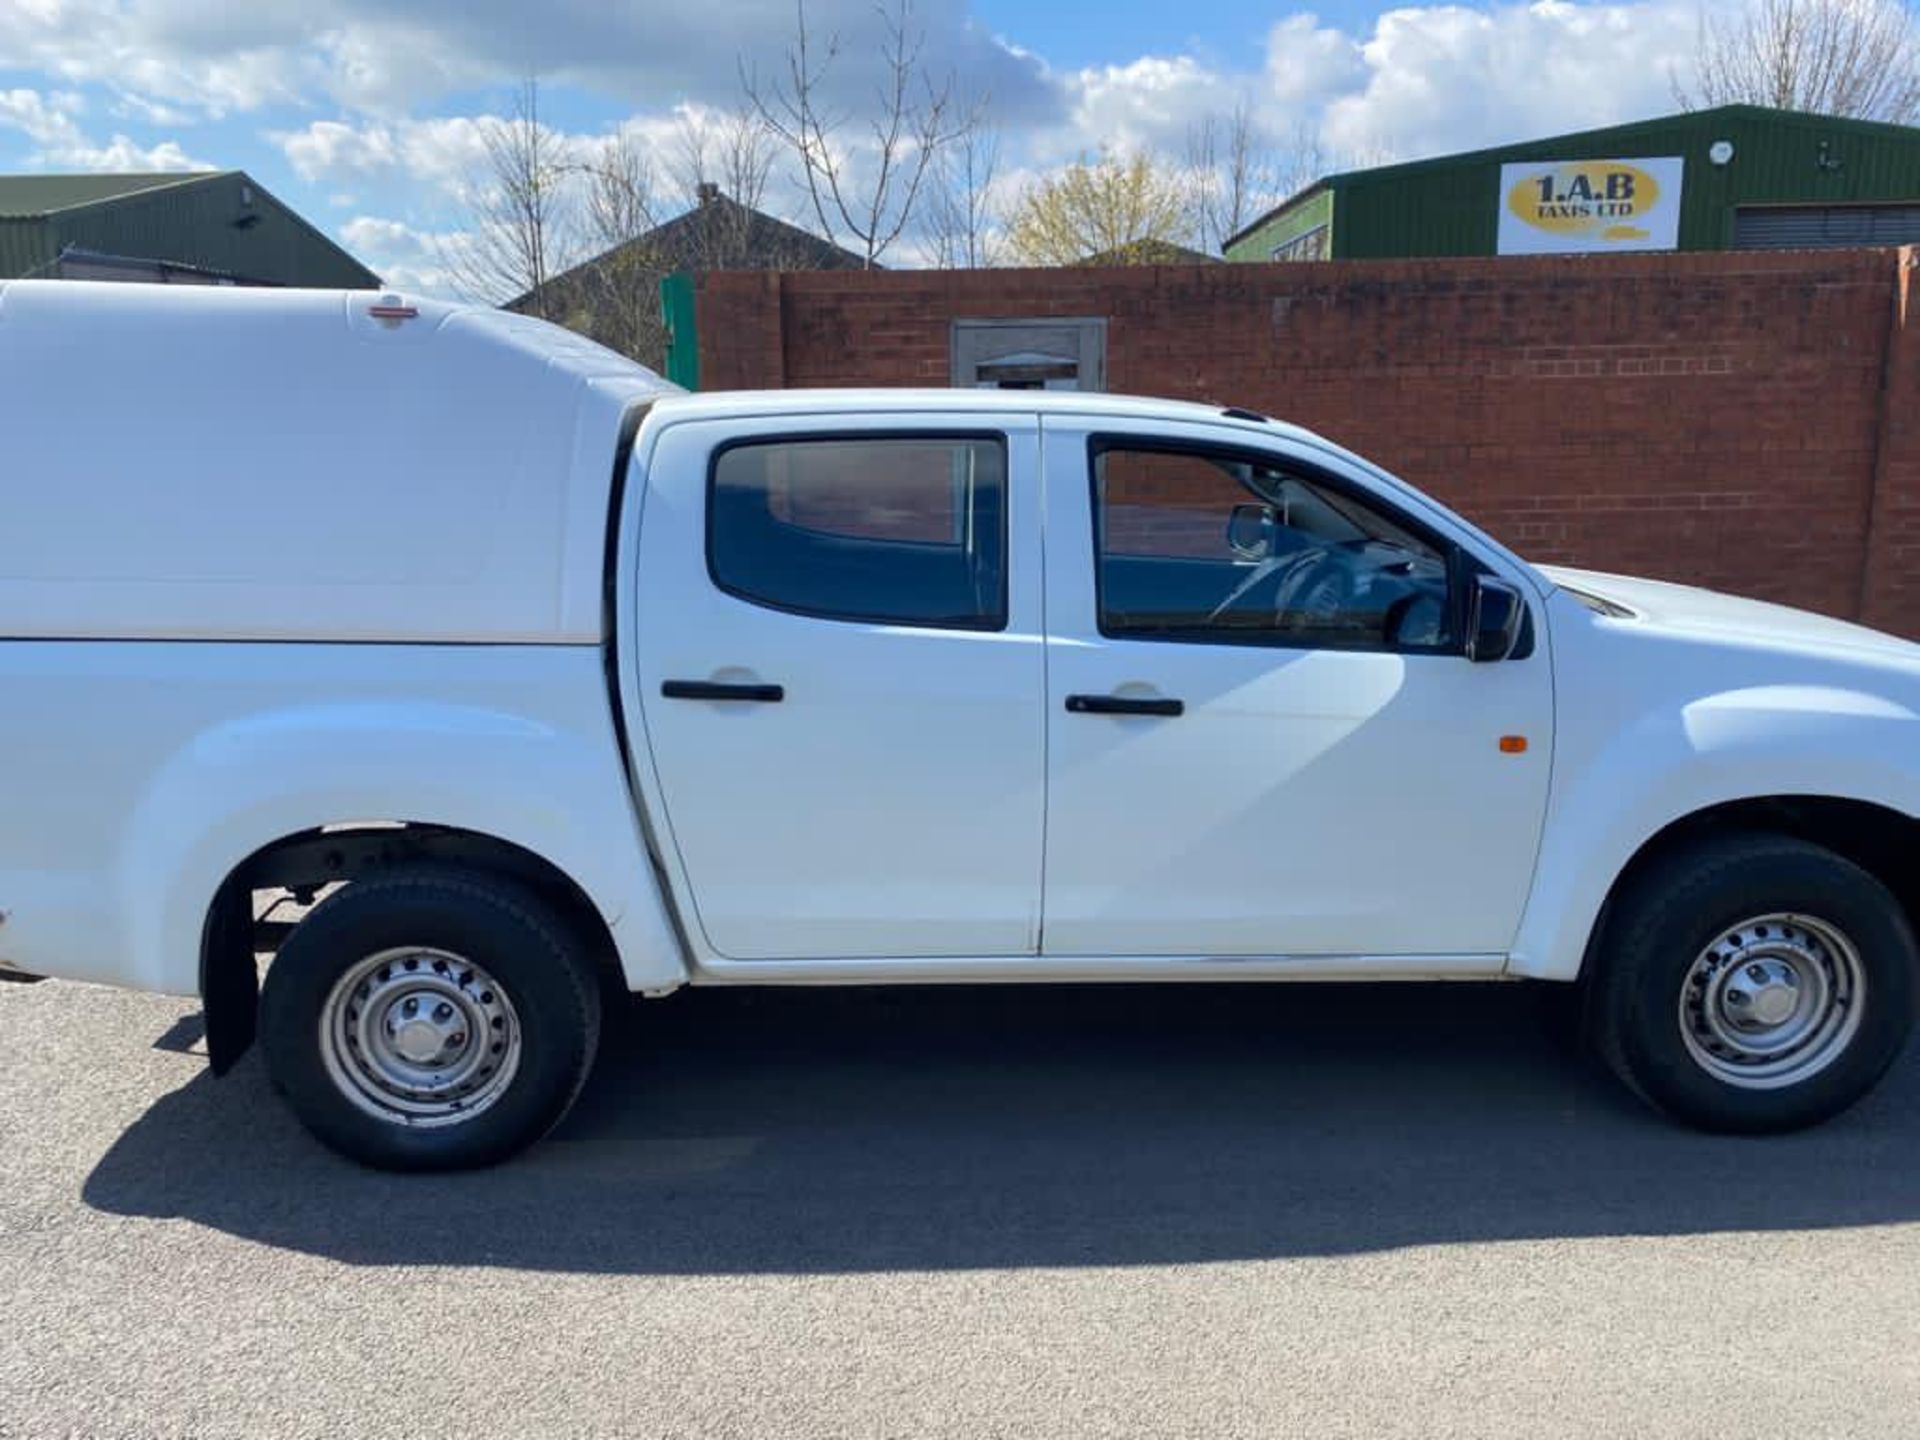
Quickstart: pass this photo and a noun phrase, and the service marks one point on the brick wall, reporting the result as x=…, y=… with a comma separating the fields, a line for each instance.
x=1749, y=422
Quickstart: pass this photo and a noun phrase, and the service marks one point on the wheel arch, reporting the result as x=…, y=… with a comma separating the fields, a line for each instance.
x=308, y=861
x=1878, y=838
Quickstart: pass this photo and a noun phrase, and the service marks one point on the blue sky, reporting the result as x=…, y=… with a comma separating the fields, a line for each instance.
x=368, y=115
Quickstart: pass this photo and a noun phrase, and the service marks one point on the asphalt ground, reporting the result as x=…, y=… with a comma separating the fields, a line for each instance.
x=1395, y=1210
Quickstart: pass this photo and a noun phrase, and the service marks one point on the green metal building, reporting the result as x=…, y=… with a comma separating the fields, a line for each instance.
x=211, y=227
x=1731, y=178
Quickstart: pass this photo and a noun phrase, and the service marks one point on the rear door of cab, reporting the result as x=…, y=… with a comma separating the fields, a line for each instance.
x=840, y=668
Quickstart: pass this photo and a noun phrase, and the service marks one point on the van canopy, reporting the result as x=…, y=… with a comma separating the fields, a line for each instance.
x=190, y=462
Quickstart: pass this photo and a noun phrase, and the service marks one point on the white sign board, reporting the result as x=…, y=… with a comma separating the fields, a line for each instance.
x=1568, y=207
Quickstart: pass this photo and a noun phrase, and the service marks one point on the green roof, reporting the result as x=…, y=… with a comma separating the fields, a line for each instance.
x=26, y=195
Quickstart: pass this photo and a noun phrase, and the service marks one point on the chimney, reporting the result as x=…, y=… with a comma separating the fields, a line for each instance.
x=706, y=192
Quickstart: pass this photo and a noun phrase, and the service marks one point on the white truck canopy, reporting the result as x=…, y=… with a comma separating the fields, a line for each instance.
x=191, y=462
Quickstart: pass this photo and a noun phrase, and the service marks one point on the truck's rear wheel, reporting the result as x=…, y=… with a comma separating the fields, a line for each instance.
x=430, y=1019
x=1754, y=983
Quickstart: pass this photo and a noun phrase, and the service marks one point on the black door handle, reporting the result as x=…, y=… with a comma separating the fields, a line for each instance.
x=1122, y=705
x=719, y=690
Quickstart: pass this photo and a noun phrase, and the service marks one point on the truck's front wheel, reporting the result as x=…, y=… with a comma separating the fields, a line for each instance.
x=430, y=1019
x=1754, y=983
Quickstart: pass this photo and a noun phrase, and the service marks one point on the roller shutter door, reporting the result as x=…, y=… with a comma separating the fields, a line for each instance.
x=1816, y=227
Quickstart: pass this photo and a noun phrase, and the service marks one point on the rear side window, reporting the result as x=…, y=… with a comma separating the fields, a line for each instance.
x=905, y=530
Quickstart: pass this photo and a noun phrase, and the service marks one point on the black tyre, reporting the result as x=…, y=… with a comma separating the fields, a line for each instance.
x=1753, y=983
x=430, y=1019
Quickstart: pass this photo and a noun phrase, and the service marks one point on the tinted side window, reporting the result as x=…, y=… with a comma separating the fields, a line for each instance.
x=1206, y=546
x=908, y=531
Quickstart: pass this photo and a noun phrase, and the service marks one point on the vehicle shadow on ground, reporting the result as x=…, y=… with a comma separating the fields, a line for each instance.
x=815, y=1131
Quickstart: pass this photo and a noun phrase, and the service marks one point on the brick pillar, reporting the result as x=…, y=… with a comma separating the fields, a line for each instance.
x=740, y=321
x=1890, y=586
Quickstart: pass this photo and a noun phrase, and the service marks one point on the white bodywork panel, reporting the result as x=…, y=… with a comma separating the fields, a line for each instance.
x=1694, y=700
x=1308, y=801
x=892, y=803
x=142, y=774
x=190, y=462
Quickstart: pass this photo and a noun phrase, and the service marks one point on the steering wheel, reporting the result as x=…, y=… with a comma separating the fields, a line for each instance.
x=1319, y=584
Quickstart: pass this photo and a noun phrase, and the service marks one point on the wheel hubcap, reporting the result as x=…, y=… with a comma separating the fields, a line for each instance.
x=1772, y=1001
x=420, y=1037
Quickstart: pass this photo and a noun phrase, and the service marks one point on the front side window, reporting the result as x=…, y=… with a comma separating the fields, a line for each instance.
x=1218, y=546
x=897, y=530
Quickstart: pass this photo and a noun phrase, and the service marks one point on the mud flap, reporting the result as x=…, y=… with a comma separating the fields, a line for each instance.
x=229, y=979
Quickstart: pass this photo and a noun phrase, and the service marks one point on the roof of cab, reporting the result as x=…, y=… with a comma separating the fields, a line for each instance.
x=922, y=400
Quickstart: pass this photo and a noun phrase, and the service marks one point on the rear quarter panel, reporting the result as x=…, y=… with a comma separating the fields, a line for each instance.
x=139, y=774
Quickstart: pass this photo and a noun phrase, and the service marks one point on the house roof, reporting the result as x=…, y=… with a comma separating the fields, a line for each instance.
x=702, y=231
x=24, y=196
x=719, y=233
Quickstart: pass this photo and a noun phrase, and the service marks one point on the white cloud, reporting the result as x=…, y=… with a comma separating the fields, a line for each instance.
x=439, y=153
x=1449, y=77
x=123, y=154
x=1421, y=80
x=442, y=161
x=406, y=258
x=1308, y=63
x=51, y=122
x=1147, y=104
x=378, y=57
x=45, y=119
x=128, y=50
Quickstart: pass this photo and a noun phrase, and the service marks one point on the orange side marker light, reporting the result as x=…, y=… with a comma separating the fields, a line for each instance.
x=1513, y=744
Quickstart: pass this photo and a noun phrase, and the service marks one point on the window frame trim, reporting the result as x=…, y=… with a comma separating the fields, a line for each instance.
x=1460, y=564
x=982, y=626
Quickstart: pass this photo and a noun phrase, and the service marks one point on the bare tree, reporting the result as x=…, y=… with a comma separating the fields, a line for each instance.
x=733, y=149
x=725, y=158
x=865, y=185
x=515, y=236
x=613, y=296
x=963, y=220
x=1858, y=58
x=1238, y=174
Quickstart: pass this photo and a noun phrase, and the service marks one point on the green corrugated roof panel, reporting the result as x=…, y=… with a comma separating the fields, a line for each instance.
x=22, y=195
x=24, y=246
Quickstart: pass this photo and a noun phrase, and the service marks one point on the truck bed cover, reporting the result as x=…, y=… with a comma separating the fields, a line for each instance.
x=188, y=462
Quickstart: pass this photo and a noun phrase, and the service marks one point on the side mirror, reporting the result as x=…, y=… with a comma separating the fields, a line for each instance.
x=1494, y=617
x=1250, y=530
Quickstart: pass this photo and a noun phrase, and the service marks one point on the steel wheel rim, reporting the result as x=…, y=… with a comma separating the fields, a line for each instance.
x=420, y=1037
x=1772, y=1001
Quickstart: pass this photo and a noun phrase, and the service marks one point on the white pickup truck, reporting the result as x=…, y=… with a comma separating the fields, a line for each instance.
x=460, y=669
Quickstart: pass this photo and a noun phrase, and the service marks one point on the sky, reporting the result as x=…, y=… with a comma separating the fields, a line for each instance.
x=368, y=116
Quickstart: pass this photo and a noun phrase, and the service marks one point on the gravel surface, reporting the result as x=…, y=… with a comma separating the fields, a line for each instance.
x=1391, y=1211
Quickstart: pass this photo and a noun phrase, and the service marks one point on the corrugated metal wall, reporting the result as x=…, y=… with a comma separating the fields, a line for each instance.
x=210, y=223
x=213, y=225
x=24, y=247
